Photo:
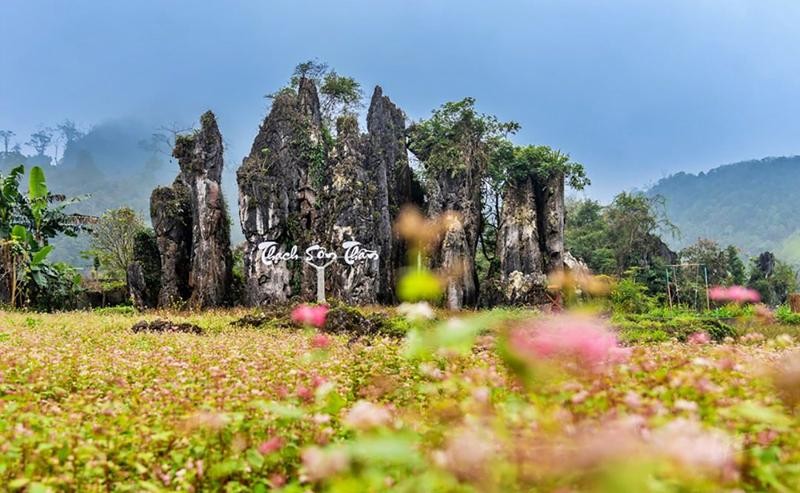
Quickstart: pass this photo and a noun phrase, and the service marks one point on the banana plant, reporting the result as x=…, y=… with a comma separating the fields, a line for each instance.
x=11, y=200
x=37, y=200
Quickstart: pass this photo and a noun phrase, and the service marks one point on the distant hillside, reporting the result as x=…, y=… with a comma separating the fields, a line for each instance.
x=754, y=205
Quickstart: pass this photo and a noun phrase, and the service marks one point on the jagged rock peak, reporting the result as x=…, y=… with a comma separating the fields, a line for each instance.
x=384, y=113
x=190, y=220
x=201, y=151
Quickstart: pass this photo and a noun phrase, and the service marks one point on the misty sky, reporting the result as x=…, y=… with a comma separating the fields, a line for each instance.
x=633, y=89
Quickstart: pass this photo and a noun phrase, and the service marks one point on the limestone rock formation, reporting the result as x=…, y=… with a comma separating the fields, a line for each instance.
x=519, y=249
x=191, y=223
x=356, y=207
x=551, y=209
x=278, y=183
x=200, y=158
x=137, y=288
x=387, y=159
x=458, y=193
x=530, y=241
x=170, y=214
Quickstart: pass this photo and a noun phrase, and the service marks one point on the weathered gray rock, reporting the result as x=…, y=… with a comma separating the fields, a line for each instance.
x=387, y=158
x=278, y=183
x=458, y=192
x=137, y=288
x=356, y=207
x=551, y=210
x=519, y=246
x=190, y=221
x=200, y=158
x=170, y=213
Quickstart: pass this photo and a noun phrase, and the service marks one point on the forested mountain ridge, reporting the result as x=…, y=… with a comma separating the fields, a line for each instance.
x=751, y=204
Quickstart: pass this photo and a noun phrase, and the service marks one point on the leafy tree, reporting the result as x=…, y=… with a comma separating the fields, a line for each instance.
x=724, y=267
x=6, y=136
x=69, y=131
x=736, y=268
x=586, y=236
x=40, y=141
x=340, y=95
x=454, y=130
x=622, y=238
x=113, y=240
x=28, y=222
x=511, y=162
x=310, y=69
x=772, y=278
x=634, y=222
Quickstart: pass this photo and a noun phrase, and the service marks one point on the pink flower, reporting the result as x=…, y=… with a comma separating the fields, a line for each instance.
x=313, y=315
x=587, y=341
x=272, y=445
x=305, y=393
x=317, y=380
x=277, y=480
x=320, y=341
x=689, y=444
x=320, y=464
x=365, y=415
x=737, y=294
x=468, y=454
x=699, y=338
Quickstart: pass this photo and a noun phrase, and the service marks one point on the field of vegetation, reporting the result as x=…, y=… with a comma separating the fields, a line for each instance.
x=490, y=401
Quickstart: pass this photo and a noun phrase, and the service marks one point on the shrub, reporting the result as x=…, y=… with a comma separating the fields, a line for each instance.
x=629, y=296
x=649, y=328
x=786, y=316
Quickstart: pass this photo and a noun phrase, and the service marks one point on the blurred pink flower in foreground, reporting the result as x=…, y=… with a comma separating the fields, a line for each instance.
x=320, y=464
x=320, y=341
x=699, y=338
x=365, y=415
x=269, y=446
x=467, y=454
x=587, y=341
x=689, y=444
x=313, y=315
x=737, y=294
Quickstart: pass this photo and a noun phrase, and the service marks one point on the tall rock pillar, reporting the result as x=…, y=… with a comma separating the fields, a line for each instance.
x=191, y=223
x=278, y=183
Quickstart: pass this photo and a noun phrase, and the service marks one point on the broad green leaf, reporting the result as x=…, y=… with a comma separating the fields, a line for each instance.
x=37, y=186
x=39, y=256
x=19, y=233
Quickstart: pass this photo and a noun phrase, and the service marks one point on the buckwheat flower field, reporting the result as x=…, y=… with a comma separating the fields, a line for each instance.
x=489, y=402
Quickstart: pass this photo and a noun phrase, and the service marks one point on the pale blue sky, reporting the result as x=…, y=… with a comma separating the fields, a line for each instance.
x=634, y=89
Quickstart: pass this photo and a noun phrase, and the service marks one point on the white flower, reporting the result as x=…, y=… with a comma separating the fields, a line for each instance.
x=416, y=311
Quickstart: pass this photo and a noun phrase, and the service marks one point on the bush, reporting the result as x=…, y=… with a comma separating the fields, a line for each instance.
x=786, y=316
x=60, y=288
x=629, y=296
x=649, y=328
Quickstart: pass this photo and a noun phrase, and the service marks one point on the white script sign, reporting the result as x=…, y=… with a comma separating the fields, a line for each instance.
x=318, y=257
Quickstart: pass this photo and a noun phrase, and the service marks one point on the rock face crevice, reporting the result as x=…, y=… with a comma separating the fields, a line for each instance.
x=190, y=220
